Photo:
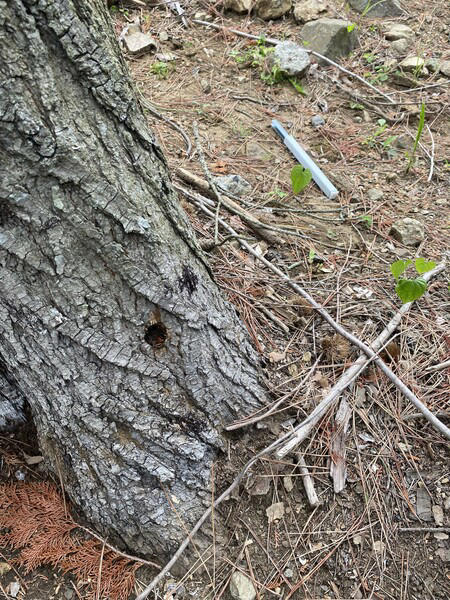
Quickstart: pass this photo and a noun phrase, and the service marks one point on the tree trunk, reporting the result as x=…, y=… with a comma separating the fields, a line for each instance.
x=110, y=324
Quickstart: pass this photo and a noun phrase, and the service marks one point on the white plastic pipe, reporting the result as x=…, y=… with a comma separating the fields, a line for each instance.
x=306, y=161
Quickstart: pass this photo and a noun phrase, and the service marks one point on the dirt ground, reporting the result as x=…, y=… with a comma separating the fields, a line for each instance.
x=386, y=535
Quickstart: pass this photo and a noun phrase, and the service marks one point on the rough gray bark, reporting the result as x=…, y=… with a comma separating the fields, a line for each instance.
x=110, y=323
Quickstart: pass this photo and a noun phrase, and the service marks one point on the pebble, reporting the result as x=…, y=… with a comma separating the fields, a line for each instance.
x=411, y=233
x=163, y=36
x=317, y=121
x=375, y=194
x=241, y=587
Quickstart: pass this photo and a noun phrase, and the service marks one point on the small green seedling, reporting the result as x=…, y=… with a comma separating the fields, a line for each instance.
x=418, y=134
x=160, y=69
x=300, y=177
x=372, y=139
x=351, y=27
x=367, y=220
x=409, y=290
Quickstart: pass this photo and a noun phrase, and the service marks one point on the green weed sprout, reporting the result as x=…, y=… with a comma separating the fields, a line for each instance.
x=418, y=134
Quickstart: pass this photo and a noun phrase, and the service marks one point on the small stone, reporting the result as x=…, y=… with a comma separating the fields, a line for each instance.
x=379, y=547
x=288, y=484
x=163, y=36
x=445, y=68
x=440, y=535
x=409, y=232
x=433, y=65
x=447, y=503
x=272, y=9
x=412, y=63
x=238, y=6
x=139, y=43
x=438, y=514
x=68, y=594
x=391, y=177
x=309, y=10
x=317, y=121
x=289, y=573
x=398, y=31
x=331, y=37
x=205, y=85
x=375, y=194
x=386, y=8
x=234, y=184
x=404, y=142
x=291, y=58
x=241, y=587
x=423, y=500
x=444, y=554
x=400, y=47
x=275, y=511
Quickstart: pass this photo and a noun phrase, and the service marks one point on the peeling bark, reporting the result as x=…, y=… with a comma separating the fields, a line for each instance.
x=110, y=323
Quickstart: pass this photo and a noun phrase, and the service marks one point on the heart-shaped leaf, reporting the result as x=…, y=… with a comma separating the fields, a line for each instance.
x=422, y=265
x=409, y=290
x=399, y=267
x=300, y=177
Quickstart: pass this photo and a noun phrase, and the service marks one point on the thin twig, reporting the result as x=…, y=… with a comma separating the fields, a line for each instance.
x=439, y=367
x=99, y=577
x=424, y=529
x=430, y=174
x=151, y=109
x=127, y=556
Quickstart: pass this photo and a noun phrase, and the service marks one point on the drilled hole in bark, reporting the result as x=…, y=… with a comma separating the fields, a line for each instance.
x=156, y=334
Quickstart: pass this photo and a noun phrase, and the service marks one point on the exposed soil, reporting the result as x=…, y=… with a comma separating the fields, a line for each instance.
x=374, y=539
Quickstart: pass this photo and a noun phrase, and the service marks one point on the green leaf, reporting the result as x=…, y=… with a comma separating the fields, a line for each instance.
x=409, y=290
x=351, y=27
x=422, y=265
x=300, y=177
x=399, y=267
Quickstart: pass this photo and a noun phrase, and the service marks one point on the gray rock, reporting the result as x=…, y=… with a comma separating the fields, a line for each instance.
x=445, y=68
x=241, y=587
x=163, y=36
x=444, y=554
x=309, y=10
x=400, y=47
x=317, y=121
x=383, y=8
x=289, y=573
x=239, y=6
x=139, y=43
x=330, y=37
x=412, y=63
x=375, y=194
x=433, y=65
x=68, y=594
x=272, y=9
x=234, y=184
x=398, y=31
x=409, y=232
x=423, y=504
x=291, y=58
